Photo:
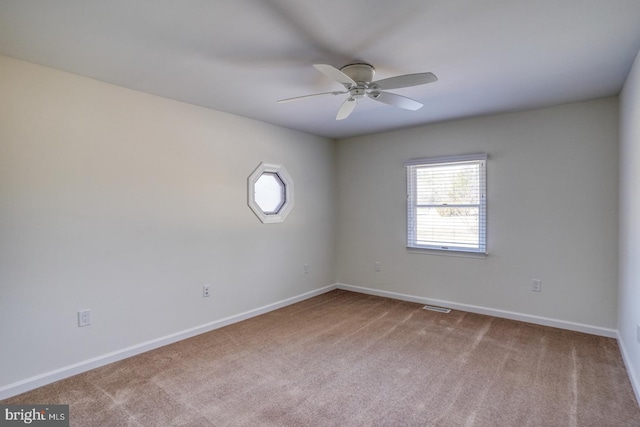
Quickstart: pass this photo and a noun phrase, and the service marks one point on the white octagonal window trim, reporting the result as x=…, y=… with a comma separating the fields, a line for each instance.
x=270, y=192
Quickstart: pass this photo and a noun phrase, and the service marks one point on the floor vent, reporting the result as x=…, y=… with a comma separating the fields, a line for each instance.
x=438, y=309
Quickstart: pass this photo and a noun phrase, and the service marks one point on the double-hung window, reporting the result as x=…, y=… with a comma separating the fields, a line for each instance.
x=447, y=203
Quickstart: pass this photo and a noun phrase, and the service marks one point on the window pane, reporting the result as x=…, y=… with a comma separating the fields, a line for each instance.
x=448, y=184
x=269, y=193
x=444, y=227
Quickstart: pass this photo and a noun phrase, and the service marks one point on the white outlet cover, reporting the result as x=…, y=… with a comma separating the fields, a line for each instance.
x=84, y=318
x=536, y=285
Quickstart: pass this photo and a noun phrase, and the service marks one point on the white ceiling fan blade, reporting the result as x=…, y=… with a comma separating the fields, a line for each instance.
x=347, y=108
x=310, y=96
x=406, y=80
x=335, y=74
x=395, y=100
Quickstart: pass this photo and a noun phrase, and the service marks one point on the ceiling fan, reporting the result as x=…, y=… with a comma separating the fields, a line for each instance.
x=357, y=78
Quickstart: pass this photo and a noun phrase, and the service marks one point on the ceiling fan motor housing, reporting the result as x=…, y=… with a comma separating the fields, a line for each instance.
x=357, y=92
x=360, y=72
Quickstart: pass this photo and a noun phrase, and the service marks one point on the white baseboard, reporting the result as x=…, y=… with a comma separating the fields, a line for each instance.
x=86, y=365
x=538, y=320
x=635, y=383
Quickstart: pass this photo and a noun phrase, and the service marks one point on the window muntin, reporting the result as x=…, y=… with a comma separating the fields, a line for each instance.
x=446, y=203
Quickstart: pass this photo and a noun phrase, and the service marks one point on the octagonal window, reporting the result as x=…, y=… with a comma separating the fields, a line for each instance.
x=270, y=192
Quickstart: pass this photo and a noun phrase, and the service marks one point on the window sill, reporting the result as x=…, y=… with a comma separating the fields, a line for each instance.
x=459, y=254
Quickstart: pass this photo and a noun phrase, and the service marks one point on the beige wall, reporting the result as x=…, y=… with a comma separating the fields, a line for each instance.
x=127, y=204
x=629, y=291
x=552, y=213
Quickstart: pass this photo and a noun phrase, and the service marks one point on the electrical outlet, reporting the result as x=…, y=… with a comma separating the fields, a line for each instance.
x=536, y=285
x=84, y=317
x=377, y=265
x=205, y=290
x=306, y=268
x=638, y=332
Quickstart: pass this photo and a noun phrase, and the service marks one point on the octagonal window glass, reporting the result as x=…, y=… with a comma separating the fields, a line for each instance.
x=269, y=193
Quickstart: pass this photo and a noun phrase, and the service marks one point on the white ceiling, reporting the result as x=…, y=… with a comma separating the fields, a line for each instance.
x=240, y=56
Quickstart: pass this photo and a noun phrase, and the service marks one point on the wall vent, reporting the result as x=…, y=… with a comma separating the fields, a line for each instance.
x=438, y=309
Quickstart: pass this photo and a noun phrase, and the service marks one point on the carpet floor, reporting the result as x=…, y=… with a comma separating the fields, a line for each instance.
x=347, y=359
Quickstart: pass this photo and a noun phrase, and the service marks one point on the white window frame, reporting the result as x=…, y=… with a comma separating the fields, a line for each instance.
x=412, y=166
x=285, y=208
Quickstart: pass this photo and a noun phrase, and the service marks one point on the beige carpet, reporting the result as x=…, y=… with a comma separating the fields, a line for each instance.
x=345, y=359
